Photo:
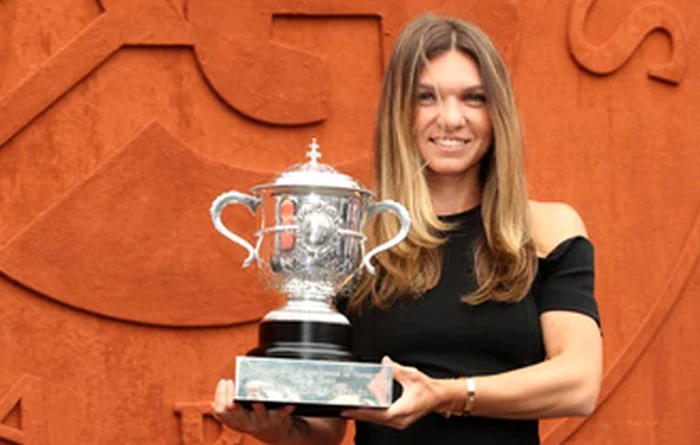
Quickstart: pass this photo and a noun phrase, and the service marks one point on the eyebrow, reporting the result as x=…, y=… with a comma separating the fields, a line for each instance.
x=424, y=86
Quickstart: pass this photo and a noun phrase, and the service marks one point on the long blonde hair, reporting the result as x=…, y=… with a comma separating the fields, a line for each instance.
x=505, y=257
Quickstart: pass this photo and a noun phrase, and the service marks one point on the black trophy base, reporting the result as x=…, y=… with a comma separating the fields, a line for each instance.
x=309, y=365
x=303, y=340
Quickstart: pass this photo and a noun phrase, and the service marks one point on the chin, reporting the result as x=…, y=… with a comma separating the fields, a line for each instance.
x=449, y=170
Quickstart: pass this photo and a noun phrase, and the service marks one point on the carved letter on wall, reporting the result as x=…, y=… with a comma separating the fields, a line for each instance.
x=192, y=425
x=238, y=64
x=24, y=396
x=612, y=54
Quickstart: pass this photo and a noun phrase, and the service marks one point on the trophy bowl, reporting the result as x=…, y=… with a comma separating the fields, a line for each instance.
x=309, y=246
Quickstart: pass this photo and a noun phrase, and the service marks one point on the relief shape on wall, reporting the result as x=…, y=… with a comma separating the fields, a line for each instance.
x=611, y=55
x=86, y=249
x=22, y=418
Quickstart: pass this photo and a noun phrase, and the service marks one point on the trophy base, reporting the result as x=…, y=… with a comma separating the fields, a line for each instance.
x=308, y=340
x=318, y=388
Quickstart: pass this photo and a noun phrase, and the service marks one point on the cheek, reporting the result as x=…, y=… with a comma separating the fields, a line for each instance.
x=419, y=121
x=484, y=126
x=424, y=118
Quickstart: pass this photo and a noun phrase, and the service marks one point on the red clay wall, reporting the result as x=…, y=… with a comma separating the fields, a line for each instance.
x=120, y=121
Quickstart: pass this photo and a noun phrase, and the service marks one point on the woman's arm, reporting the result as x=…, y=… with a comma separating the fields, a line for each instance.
x=565, y=384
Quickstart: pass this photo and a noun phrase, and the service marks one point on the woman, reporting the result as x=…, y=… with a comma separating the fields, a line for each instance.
x=487, y=307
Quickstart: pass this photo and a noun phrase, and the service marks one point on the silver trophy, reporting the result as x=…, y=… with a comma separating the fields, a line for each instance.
x=310, y=246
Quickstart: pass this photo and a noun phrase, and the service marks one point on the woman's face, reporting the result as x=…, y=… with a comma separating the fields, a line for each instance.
x=452, y=123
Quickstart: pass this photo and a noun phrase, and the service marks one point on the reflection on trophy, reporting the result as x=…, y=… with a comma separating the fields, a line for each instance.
x=309, y=246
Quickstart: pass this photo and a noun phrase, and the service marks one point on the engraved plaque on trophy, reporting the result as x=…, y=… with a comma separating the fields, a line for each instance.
x=308, y=246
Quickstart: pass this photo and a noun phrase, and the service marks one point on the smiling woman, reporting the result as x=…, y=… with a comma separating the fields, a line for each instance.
x=487, y=307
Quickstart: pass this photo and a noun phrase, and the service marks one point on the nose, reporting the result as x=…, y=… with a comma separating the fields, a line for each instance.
x=451, y=115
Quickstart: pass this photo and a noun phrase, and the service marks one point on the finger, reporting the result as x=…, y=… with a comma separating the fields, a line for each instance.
x=369, y=418
x=274, y=417
x=262, y=415
x=219, y=403
x=281, y=417
x=230, y=393
x=282, y=412
x=286, y=422
x=399, y=371
x=235, y=418
x=367, y=415
x=401, y=407
x=397, y=421
x=252, y=421
x=247, y=418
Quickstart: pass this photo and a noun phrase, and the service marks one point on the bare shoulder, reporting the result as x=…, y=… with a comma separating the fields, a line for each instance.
x=552, y=223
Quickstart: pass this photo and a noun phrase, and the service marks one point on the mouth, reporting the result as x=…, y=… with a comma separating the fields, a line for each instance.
x=449, y=142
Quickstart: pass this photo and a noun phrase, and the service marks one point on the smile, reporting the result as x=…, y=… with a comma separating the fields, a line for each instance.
x=449, y=142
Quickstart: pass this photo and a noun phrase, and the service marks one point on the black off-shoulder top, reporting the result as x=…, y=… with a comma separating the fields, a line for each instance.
x=443, y=337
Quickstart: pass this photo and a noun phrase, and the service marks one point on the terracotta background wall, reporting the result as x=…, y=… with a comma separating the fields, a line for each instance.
x=120, y=121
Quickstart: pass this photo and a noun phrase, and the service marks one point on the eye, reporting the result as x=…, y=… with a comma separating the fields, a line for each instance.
x=425, y=97
x=475, y=99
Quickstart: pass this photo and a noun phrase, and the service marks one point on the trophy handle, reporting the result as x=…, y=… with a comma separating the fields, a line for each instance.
x=218, y=206
x=398, y=210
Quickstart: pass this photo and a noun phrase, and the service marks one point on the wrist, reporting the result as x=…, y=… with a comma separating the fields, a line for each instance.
x=470, y=398
x=452, y=397
x=460, y=397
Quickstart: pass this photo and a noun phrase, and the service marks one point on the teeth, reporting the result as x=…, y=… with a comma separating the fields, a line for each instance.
x=449, y=142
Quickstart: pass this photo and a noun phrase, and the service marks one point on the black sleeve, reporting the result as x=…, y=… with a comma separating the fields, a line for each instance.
x=565, y=279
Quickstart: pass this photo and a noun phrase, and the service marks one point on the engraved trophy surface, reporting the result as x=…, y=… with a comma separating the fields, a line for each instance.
x=309, y=246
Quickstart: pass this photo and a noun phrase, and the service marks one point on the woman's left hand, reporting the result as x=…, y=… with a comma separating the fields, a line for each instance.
x=421, y=395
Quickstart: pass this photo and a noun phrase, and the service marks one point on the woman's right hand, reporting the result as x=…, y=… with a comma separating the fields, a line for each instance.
x=270, y=426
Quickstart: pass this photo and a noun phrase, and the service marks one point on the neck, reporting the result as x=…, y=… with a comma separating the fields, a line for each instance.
x=454, y=194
